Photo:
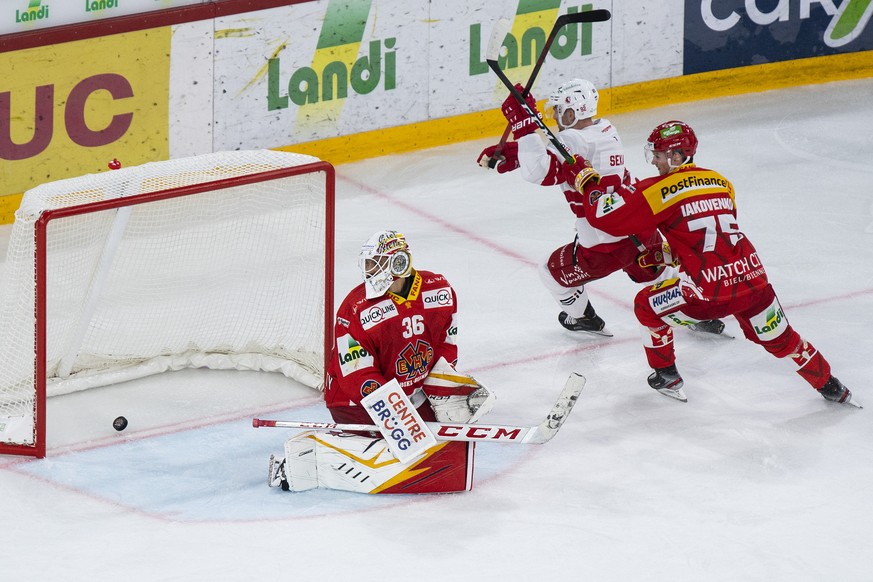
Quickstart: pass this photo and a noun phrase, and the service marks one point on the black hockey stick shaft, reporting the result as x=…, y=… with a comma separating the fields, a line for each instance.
x=600, y=15
x=497, y=36
x=568, y=157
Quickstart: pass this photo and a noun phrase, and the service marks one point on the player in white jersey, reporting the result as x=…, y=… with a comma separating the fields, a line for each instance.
x=594, y=253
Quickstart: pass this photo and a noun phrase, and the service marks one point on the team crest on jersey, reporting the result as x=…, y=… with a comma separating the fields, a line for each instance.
x=437, y=298
x=352, y=356
x=376, y=314
x=369, y=387
x=414, y=360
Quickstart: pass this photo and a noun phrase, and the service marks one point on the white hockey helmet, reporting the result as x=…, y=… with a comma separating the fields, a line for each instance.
x=384, y=257
x=578, y=95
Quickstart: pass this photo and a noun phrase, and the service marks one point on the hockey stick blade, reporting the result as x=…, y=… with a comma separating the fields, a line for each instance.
x=560, y=411
x=498, y=34
x=444, y=431
x=504, y=25
x=600, y=15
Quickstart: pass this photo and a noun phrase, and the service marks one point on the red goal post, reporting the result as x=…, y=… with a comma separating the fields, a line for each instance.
x=223, y=260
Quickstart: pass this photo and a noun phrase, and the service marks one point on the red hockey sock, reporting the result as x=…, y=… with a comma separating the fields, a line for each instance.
x=811, y=365
x=659, y=347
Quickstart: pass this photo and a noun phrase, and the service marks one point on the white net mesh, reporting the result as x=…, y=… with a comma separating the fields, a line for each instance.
x=227, y=278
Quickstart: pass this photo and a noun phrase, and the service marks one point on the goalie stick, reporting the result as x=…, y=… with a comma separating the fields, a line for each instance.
x=600, y=15
x=445, y=431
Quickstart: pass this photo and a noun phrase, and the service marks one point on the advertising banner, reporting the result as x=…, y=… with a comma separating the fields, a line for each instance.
x=736, y=33
x=370, y=65
x=27, y=15
x=68, y=109
x=312, y=72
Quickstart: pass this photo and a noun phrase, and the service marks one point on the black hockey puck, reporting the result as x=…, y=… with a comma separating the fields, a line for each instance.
x=119, y=423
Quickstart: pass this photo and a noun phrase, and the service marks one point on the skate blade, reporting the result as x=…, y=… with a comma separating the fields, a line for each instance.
x=602, y=333
x=676, y=393
x=851, y=402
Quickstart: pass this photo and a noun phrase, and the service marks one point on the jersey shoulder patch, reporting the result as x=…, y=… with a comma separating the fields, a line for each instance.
x=605, y=201
x=352, y=356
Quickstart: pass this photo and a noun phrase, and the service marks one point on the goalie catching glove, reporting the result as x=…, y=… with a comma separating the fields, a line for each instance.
x=455, y=396
x=507, y=159
x=520, y=121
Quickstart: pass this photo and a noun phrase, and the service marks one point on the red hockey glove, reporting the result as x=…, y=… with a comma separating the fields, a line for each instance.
x=507, y=160
x=578, y=173
x=520, y=121
x=657, y=256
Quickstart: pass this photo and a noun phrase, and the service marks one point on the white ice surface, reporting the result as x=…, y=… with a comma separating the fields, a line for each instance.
x=756, y=478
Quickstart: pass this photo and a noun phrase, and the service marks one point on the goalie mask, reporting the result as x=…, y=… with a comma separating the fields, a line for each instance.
x=669, y=137
x=577, y=95
x=384, y=257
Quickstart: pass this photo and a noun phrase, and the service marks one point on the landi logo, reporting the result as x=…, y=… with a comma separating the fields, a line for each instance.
x=847, y=21
x=35, y=10
x=533, y=22
x=100, y=5
x=319, y=90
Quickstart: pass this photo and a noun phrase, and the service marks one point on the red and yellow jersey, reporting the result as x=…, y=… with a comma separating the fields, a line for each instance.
x=695, y=210
x=391, y=337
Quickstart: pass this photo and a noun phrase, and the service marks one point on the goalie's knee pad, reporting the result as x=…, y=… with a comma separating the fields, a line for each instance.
x=455, y=396
x=361, y=464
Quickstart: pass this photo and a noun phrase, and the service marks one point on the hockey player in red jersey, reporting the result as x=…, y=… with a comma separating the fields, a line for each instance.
x=721, y=272
x=594, y=253
x=400, y=323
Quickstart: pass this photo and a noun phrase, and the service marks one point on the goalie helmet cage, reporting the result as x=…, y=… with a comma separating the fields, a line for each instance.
x=223, y=260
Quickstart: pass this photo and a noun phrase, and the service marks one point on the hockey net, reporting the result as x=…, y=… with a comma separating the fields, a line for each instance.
x=222, y=261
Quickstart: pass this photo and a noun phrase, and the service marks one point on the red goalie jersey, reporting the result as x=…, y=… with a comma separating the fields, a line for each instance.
x=391, y=337
x=684, y=204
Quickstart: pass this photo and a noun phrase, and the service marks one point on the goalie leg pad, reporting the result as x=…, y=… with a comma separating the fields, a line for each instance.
x=455, y=396
x=349, y=462
x=301, y=469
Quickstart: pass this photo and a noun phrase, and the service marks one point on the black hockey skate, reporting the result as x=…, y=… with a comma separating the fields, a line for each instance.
x=590, y=322
x=668, y=382
x=711, y=327
x=834, y=391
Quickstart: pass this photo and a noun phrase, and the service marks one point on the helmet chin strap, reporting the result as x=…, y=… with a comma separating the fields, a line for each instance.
x=682, y=163
x=560, y=119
